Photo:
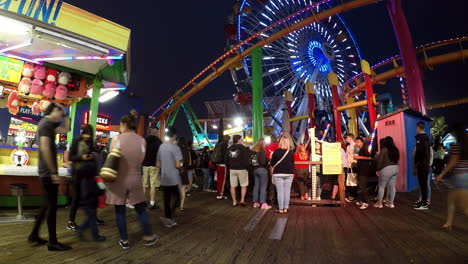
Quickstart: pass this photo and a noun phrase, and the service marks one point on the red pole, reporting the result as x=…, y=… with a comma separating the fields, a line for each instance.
x=413, y=75
x=369, y=92
x=333, y=80
x=288, y=98
x=311, y=103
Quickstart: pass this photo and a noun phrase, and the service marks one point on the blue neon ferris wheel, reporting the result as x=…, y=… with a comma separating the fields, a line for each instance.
x=306, y=55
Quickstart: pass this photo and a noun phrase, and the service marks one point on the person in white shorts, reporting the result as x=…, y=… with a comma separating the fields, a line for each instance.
x=237, y=161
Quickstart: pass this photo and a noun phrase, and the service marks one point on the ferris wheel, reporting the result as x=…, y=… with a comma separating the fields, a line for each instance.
x=306, y=55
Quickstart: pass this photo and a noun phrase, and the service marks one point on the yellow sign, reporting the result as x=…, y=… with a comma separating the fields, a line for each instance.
x=331, y=158
x=68, y=17
x=29, y=127
x=233, y=131
x=10, y=69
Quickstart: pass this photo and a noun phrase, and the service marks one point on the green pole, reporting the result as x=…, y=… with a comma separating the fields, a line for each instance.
x=94, y=107
x=257, y=94
x=72, y=123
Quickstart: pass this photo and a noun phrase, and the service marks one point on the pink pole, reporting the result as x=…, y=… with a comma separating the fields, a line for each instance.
x=408, y=56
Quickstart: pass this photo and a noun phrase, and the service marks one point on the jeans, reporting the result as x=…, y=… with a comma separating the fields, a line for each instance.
x=90, y=222
x=423, y=175
x=261, y=182
x=283, y=189
x=120, y=215
x=207, y=178
x=49, y=206
x=388, y=175
x=170, y=204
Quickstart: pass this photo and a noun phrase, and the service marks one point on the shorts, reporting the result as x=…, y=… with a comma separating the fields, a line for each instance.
x=458, y=181
x=150, y=176
x=237, y=176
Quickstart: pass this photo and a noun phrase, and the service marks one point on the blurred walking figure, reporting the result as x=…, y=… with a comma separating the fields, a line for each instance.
x=129, y=184
x=387, y=167
x=205, y=163
x=259, y=162
x=302, y=171
x=183, y=171
x=421, y=165
x=170, y=161
x=458, y=180
x=151, y=177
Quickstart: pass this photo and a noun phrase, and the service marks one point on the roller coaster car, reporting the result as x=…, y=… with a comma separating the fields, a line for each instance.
x=243, y=98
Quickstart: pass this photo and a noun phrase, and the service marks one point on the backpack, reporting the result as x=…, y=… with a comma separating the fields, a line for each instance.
x=253, y=159
x=217, y=155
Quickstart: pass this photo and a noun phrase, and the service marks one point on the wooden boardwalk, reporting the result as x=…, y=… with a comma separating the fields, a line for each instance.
x=212, y=231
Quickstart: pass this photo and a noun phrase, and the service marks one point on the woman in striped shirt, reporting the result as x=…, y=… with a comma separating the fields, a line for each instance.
x=458, y=180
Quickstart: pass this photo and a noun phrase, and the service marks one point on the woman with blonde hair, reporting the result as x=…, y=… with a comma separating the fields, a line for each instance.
x=259, y=162
x=302, y=170
x=282, y=162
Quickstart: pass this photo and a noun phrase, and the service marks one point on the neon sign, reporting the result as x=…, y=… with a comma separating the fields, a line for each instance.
x=102, y=121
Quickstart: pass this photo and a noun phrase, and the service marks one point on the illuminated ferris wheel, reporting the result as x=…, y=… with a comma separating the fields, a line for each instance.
x=306, y=55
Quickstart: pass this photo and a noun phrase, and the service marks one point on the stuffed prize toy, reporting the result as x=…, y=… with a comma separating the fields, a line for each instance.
x=13, y=102
x=35, y=108
x=37, y=87
x=25, y=85
x=64, y=78
x=40, y=72
x=61, y=92
x=49, y=90
x=43, y=104
x=28, y=69
x=52, y=76
x=111, y=165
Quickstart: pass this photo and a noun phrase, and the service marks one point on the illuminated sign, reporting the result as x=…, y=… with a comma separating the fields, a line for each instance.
x=68, y=17
x=233, y=131
x=10, y=69
x=19, y=157
x=102, y=121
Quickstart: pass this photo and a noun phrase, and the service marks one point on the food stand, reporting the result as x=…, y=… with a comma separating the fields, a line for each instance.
x=51, y=51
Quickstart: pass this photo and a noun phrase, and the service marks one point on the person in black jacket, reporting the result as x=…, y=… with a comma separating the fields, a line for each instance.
x=81, y=156
x=221, y=169
x=237, y=161
x=89, y=201
x=421, y=164
x=150, y=171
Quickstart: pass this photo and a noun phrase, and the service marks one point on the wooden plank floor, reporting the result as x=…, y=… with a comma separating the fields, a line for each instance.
x=212, y=231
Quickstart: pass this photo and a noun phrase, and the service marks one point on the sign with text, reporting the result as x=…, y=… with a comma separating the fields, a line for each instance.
x=68, y=17
x=10, y=69
x=102, y=120
x=331, y=158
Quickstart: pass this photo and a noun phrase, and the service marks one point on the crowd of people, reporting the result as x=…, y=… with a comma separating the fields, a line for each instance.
x=146, y=166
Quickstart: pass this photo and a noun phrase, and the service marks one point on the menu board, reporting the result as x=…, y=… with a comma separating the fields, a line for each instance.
x=331, y=158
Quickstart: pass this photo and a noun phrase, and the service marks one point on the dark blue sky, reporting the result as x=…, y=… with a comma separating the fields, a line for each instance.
x=173, y=40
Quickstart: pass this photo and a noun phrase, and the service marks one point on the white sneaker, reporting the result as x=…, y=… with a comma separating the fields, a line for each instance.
x=358, y=203
x=390, y=205
x=376, y=205
x=130, y=206
x=364, y=206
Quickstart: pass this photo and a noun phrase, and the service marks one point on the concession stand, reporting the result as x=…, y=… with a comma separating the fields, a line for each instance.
x=51, y=51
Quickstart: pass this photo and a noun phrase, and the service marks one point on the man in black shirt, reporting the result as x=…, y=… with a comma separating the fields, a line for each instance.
x=47, y=129
x=421, y=165
x=237, y=161
x=150, y=171
x=363, y=169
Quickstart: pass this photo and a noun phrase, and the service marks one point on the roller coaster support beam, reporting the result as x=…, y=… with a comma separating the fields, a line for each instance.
x=289, y=98
x=408, y=55
x=162, y=127
x=352, y=122
x=311, y=104
x=369, y=92
x=333, y=80
x=357, y=104
x=257, y=94
x=228, y=64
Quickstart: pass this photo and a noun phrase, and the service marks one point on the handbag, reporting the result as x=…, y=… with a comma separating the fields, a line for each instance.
x=111, y=166
x=351, y=178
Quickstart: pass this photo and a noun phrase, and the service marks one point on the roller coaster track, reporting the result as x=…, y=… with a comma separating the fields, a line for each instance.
x=429, y=55
x=232, y=56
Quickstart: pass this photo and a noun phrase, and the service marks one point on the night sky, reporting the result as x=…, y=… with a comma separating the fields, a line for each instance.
x=173, y=40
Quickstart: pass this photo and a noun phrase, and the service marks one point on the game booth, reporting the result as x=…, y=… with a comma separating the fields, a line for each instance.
x=51, y=51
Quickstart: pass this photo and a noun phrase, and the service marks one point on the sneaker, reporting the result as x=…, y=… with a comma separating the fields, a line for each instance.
x=167, y=222
x=265, y=206
x=72, y=226
x=390, y=205
x=376, y=205
x=256, y=205
x=421, y=206
x=417, y=203
x=130, y=206
x=349, y=200
x=124, y=244
x=221, y=197
x=189, y=194
x=99, y=239
x=99, y=222
x=152, y=242
x=153, y=207
x=358, y=203
x=364, y=206
x=195, y=186
x=58, y=247
x=37, y=241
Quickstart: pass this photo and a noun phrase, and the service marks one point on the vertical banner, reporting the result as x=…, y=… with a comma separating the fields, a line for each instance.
x=331, y=158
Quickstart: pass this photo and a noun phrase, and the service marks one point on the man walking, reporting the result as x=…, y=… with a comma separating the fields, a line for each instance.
x=238, y=162
x=47, y=129
x=421, y=164
x=169, y=159
x=150, y=171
